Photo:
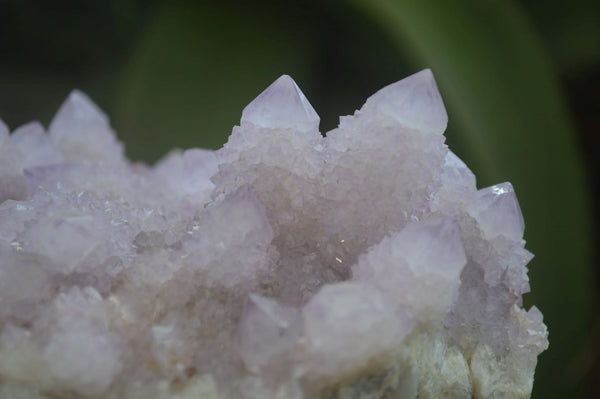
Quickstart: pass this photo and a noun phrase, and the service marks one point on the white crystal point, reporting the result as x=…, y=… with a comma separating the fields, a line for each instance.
x=82, y=131
x=347, y=325
x=266, y=330
x=497, y=210
x=407, y=266
x=414, y=102
x=34, y=128
x=35, y=146
x=456, y=172
x=433, y=247
x=238, y=253
x=187, y=174
x=77, y=110
x=282, y=105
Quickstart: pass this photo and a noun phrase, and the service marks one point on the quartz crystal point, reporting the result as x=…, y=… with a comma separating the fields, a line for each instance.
x=82, y=132
x=363, y=264
x=414, y=102
x=282, y=105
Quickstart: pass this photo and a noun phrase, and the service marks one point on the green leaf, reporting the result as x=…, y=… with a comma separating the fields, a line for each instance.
x=510, y=123
x=194, y=69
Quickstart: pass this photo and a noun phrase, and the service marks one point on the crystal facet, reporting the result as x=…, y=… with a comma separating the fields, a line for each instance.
x=282, y=106
x=414, y=102
x=82, y=131
x=498, y=212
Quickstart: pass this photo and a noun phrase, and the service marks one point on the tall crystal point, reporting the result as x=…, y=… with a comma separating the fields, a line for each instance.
x=285, y=265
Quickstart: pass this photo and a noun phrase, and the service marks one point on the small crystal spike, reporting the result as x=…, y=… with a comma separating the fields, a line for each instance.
x=282, y=105
x=82, y=131
x=414, y=102
x=498, y=212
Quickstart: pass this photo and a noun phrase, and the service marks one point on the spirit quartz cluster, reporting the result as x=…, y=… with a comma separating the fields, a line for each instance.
x=364, y=264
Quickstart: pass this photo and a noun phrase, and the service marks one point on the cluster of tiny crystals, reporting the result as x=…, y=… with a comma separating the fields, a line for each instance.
x=360, y=264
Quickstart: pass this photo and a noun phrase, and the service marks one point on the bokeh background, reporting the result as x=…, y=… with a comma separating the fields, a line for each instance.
x=521, y=81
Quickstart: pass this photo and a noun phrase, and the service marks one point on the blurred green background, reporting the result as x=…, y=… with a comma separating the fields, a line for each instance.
x=521, y=81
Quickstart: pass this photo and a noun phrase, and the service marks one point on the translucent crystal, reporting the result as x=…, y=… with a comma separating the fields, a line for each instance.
x=456, y=173
x=34, y=146
x=497, y=210
x=424, y=257
x=267, y=330
x=82, y=133
x=282, y=105
x=347, y=325
x=415, y=102
x=363, y=264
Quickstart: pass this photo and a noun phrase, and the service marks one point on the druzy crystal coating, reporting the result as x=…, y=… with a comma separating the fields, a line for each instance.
x=362, y=264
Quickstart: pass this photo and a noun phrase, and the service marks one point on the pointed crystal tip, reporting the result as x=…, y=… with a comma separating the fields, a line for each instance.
x=415, y=102
x=433, y=246
x=497, y=210
x=77, y=109
x=82, y=131
x=282, y=105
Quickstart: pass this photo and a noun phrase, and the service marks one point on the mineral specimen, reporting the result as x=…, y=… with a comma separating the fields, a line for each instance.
x=363, y=264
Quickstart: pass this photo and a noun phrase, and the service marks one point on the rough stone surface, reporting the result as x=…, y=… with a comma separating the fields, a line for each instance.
x=364, y=264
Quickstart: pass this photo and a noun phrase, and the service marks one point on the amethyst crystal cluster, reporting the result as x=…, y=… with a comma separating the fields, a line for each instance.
x=363, y=264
